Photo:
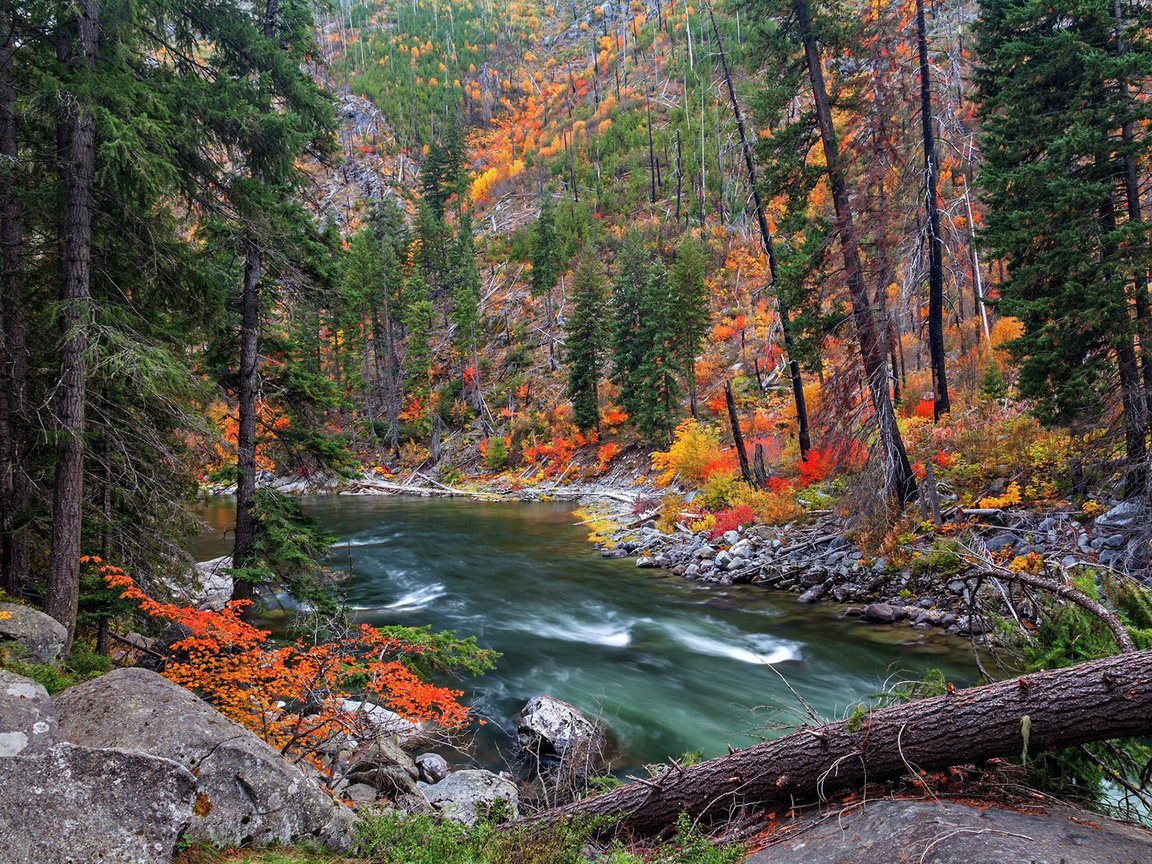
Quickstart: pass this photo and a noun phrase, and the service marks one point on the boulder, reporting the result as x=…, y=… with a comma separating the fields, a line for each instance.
x=385, y=767
x=1125, y=515
x=469, y=796
x=547, y=727
x=42, y=636
x=432, y=767
x=27, y=716
x=948, y=832
x=82, y=806
x=880, y=613
x=375, y=721
x=213, y=584
x=247, y=793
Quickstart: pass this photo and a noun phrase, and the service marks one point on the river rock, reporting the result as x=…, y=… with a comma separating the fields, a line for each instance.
x=27, y=716
x=375, y=721
x=547, y=727
x=947, y=832
x=469, y=796
x=814, y=593
x=386, y=768
x=880, y=613
x=206, y=585
x=1125, y=515
x=247, y=793
x=41, y=636
x=79, y=805
x=432, y=767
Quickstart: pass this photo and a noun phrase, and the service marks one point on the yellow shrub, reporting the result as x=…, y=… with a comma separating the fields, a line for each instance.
x=694, y=448
x=772, y=508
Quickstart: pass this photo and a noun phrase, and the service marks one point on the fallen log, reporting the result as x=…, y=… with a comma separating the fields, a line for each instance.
x=1096, y=701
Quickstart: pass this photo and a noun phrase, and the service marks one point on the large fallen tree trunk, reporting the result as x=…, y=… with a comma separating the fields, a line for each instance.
x=1104, y=699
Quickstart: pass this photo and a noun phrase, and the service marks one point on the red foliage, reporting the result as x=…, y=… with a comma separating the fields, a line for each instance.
x=944, y=459
x=926, y=409
x=731, y=519
x=819, y=465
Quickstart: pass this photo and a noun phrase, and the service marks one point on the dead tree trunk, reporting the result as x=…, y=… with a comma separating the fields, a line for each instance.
x=1110, y=698
x=802, y=434
x=941, y=404
x=737, y=435
x=899, y=480
x=242, y=550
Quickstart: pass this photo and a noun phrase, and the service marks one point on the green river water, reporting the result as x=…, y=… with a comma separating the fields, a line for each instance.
x=667, y=665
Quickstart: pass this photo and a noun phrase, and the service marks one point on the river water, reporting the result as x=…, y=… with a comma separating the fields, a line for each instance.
x=669, y=666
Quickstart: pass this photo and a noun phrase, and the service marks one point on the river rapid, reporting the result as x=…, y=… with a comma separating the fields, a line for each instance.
x=667, y=665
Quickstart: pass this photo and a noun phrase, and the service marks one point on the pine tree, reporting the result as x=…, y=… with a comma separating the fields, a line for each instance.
x=661, y=334
x=465, y=302
x=629, y=290
x=1051, y=111
x=584, y=339
x=546, y=265
x=689, y=296
x=419, y=319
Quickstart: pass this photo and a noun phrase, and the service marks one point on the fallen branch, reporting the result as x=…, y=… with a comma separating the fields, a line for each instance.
x=1096, y=701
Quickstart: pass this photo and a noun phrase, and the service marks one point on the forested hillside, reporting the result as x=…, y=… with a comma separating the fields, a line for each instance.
x=845, y=298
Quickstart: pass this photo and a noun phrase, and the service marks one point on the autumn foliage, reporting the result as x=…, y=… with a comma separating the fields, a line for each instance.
x=292, y=695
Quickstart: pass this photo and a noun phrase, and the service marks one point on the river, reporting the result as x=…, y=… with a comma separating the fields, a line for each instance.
x=669, y=666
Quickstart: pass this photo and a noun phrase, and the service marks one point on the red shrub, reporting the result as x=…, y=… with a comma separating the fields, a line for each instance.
x=731, y=519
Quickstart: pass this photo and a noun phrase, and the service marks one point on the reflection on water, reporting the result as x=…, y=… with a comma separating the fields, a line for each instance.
x=669, y=665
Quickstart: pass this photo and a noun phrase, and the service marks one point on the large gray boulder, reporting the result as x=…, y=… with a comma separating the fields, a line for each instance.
x=77, y=805
x=386, y=768
x=247, y=792
x=27, y=716
x=548, y=727
x=469, y=796
x=948, y=832
x=42, y=636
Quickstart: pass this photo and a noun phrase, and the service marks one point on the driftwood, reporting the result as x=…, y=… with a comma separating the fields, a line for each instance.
x=1096, y=701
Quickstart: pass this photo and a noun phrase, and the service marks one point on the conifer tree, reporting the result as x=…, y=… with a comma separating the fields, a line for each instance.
x=419, y=319
x=584, y=336
x=688, y=294
x=629, y=291
x=546, y=265
x=661, y=335
x=1052, y=108
x=465, y=301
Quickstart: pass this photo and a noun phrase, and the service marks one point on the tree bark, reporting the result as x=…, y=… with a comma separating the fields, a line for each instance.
x=77, y=50
x=802, y=433
x=941, y=404
x=246, y=409
x=900, y=482
x=1096, y=701
x=737, y=436
x=14, y=487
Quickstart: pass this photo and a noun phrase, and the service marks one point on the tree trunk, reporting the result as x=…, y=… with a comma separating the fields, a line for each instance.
x=14, y=353
x=77, y=50
x=737, y=436
x=935, y=244
x=803, y=436
x=900, y=482
x=1096, y=701
x=246, y=409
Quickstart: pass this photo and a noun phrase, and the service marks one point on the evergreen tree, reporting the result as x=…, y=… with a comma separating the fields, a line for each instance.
x=1052, y=102
x=629, y=290
x=688, y=294
x=546, y=265
x=419, y=319
x=466, y=301
x=661, y=334
x=584, y=335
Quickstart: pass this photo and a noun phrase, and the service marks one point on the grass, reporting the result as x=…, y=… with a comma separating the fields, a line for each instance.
x=392, y=838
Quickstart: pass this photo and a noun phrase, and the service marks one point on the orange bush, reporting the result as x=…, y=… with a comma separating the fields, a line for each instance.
x=292, y=694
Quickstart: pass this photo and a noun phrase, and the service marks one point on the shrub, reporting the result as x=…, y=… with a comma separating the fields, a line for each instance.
x=694, y=452
x=731, y=519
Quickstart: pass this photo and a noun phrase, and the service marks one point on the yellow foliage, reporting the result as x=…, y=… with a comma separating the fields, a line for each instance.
x=694, y=447
x=1010, y=497
x=1005, y=330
